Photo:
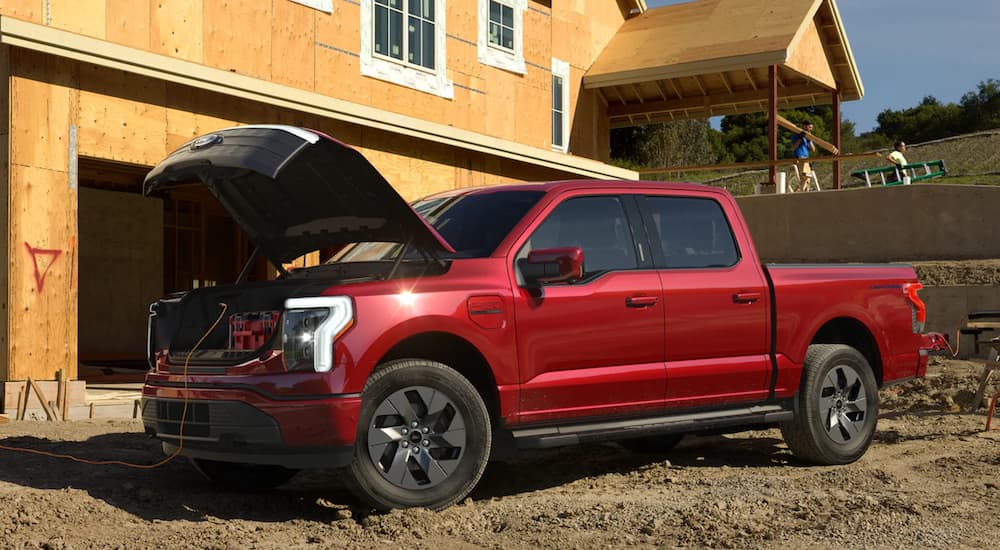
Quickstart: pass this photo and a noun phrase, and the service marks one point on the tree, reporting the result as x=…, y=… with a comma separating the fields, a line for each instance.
x=675, y=143
x=981, y=108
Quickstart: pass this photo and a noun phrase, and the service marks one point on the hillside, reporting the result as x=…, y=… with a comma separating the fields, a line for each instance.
x=971, y=159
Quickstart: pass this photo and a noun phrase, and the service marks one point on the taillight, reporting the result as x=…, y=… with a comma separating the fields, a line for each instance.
x=917, y=306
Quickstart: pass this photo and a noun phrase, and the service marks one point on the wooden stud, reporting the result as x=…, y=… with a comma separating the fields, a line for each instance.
x=49, y=414
x=772, y=123
x=22, y=402
x=836, y=137
x=91, y=410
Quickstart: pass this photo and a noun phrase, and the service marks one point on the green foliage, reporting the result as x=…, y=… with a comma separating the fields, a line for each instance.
x=743, y=138
x=668, y=144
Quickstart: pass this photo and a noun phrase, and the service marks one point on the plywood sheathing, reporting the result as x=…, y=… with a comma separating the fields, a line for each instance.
x=87, y=17
x=129, y=23
x=176, y=29
x=809, y=58
x=5, y=84
x=121, y=117
x=26, y=10
x=121, y=256
x=42, y=223
x=238, y=37
x=293, y=45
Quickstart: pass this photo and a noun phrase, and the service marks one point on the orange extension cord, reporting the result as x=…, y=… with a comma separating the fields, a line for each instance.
x=180, y=431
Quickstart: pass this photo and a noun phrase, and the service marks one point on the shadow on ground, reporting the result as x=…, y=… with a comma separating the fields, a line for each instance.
x=177, y=491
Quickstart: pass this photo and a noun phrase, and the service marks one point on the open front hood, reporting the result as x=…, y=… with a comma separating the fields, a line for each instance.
x=294, y=191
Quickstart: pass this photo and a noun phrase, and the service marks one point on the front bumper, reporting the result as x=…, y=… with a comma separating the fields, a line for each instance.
x=239, y=425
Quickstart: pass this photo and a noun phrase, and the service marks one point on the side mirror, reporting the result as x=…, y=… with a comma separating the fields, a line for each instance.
x=553, y=265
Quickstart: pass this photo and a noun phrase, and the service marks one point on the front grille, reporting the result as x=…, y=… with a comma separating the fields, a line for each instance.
x=170, y=413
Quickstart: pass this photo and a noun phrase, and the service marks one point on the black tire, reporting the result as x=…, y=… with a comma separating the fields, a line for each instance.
x=652, y=445
x=243, y=477
x=433, y=464
x=836, y=408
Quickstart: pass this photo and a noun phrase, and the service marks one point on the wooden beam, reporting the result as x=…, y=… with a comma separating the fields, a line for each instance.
x=662, y=90
x=753, y=83
x=725, y=82
x=701, y=85
x=836, y=137
x=772, y=124
x=694, y=102
x=788, y=125
x=676, y=89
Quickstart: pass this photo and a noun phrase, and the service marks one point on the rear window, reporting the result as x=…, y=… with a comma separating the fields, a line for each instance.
x=693, y=232
x=474, y=224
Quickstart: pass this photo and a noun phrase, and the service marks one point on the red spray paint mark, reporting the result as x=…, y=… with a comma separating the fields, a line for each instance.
x=35, y=253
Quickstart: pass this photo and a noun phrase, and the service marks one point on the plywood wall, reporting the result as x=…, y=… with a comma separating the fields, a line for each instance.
x=121, y=270
x=4, y=198
x=138, y=120
x=292, y=44
x=42, y=256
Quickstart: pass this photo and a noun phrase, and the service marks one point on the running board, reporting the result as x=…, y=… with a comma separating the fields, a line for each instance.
x=558, y=436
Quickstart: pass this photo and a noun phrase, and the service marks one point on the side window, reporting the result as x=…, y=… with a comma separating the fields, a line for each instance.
x=403, y=42
x=560, y=105
x=693, y=232
x=595, y=224
x=500, y=34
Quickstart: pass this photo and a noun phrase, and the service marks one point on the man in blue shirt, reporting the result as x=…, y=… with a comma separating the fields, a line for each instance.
x=802, y=147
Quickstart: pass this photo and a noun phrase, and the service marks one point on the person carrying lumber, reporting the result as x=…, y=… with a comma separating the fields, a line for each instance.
x=802, y=146
x=897, y=159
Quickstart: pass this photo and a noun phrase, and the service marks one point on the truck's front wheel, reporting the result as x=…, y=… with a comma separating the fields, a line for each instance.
x=423, y=437
x=836, y=407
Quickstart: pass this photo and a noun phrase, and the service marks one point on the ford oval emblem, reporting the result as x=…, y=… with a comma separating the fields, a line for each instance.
x=205, y=141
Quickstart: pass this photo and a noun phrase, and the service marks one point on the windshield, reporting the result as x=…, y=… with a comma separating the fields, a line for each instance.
x=474, y=224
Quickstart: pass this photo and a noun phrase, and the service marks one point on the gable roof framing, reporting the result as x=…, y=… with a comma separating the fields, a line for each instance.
x=710, y=57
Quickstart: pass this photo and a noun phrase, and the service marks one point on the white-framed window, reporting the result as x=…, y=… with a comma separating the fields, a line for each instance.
x=560, y=105
x=321, y=5
x=403, y=41
x=501, y=32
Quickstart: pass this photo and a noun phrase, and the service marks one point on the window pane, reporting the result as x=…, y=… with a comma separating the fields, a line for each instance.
x=495, y=12
x=557, y=139
x=381, y=30
x=508, y=16
x=507, y=38
x=597, y=225
x=694, y=233
x=494, y=33
x=428, y=10
x=413, y=34
x=557, y=84
x=396, y=34
x=397, y=4
x=428, y=45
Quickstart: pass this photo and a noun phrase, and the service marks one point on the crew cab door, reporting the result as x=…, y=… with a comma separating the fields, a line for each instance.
x=593, y=347
x=716, y=300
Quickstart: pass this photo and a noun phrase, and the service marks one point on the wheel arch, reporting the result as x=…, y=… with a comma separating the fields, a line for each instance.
x=852, y=332
x=458, y=354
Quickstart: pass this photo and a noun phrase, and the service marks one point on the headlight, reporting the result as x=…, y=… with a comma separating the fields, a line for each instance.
x=309, y=329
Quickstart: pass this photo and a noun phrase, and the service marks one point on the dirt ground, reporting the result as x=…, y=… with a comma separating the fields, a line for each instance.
x=930, y=480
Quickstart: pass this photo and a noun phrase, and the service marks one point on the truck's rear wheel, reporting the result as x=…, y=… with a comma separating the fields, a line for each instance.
x=423, y=437
x=836, y=407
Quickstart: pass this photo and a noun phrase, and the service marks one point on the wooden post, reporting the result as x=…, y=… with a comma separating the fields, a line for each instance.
x=836, y=137
x=772, y=123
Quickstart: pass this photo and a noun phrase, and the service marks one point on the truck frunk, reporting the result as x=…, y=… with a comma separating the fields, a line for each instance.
x=482, y=321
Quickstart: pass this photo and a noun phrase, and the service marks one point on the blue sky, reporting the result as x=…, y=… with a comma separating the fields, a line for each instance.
x=908, y=49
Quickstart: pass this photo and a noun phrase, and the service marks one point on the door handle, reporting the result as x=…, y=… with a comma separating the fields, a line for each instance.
x=746, y=297
x=641, y=301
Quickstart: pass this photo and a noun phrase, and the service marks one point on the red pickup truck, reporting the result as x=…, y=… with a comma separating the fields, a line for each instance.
x=481, y=321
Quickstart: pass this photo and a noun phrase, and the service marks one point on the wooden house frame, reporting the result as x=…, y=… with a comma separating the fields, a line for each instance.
x=94, y=92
